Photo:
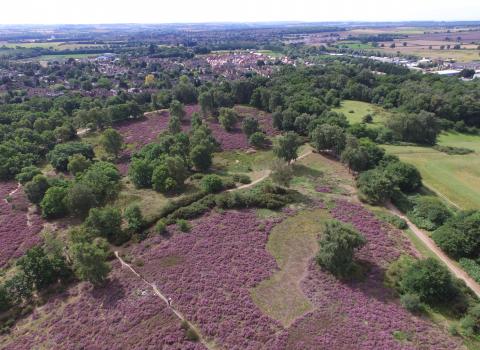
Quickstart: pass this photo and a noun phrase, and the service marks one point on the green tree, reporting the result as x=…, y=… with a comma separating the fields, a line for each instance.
x=430, y=280
x=53, y=203
x=177, y=110
x=338, y=244
x=228, y=118
x=201, y=157
x=19, y=288
x=134, y=218
x=37, y=267
x=90, y=260
x=112, y=142
x=174, y=125
x=107, y=223
x=77, y=164
x=169, y=175
x=328, y=137
x=405, y=176
x=80, y=198
x=287, y=147
x=58, y=157
x=250, y=126
x=374, y=186
x=140, y=172
x=258, y=140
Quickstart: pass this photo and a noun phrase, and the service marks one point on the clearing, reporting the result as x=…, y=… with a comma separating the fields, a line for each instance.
x=356, y=110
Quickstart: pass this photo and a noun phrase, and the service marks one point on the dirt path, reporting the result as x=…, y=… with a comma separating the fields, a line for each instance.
x=13, y=192
x=267, y=174
x=164, y=298
x=452, y=266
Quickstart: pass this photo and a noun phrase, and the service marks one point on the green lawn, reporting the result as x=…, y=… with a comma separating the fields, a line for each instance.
x=356, y=110
x=454, y=177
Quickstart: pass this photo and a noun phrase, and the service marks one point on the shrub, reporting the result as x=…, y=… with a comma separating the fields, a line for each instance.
x=212, y=183
x=395, y=272
x=367, y=119
x=393, y=220
x=227, y=118
x=241, y=178
x=471, y=322
x=411, y=302
x=191, y=335
x=134, y=218
x=77, y=164
x=53, y=203
x=258, y=140
x=183, y=225
x=453, y=150
x=471, y=267
x=27, y=174
x=250, y=126
x=429, y=212
x=36, y=189
x=160, y=227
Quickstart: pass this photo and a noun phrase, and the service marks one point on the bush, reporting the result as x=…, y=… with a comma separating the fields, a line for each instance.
x=393, y=220
x=183, y=225
x=106, y=222
x=460, y=235
x=36, y=189
x=471, y=267
x=258, y=140
x=241, y=178
x=250, y=126
x=134, y=218
x=27, y=174
x=227, y=118
x=212, y=183
x=201, y=157
x=401, y=201
x=412, y=303
x=191, y=335
x=453, y=150
x=77, y=164
x=53, y=203
x=429, y=213
x=161, y=227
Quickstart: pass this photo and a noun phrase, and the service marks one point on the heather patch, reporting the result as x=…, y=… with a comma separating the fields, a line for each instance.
x=222, y=258
x=124, y=314
x=19, y=227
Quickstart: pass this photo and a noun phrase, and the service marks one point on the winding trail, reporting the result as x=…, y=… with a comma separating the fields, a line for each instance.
x=158, y=293
x=430, y=244
x=267, y=174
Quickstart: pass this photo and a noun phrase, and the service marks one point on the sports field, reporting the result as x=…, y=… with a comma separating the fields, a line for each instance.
x=456, y=178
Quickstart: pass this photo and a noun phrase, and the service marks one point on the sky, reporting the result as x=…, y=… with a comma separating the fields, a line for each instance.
x=175, y=11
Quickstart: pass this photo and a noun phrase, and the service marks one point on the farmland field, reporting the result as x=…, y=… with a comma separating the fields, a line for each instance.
x=453, y=176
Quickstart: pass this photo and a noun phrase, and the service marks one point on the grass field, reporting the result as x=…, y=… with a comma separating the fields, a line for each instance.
x=360, y=109
x=456, y=177
x=62, y=57
x=292, y=243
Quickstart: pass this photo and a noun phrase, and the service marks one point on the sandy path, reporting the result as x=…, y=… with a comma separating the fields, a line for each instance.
x=267, y=174
x=452, y=266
